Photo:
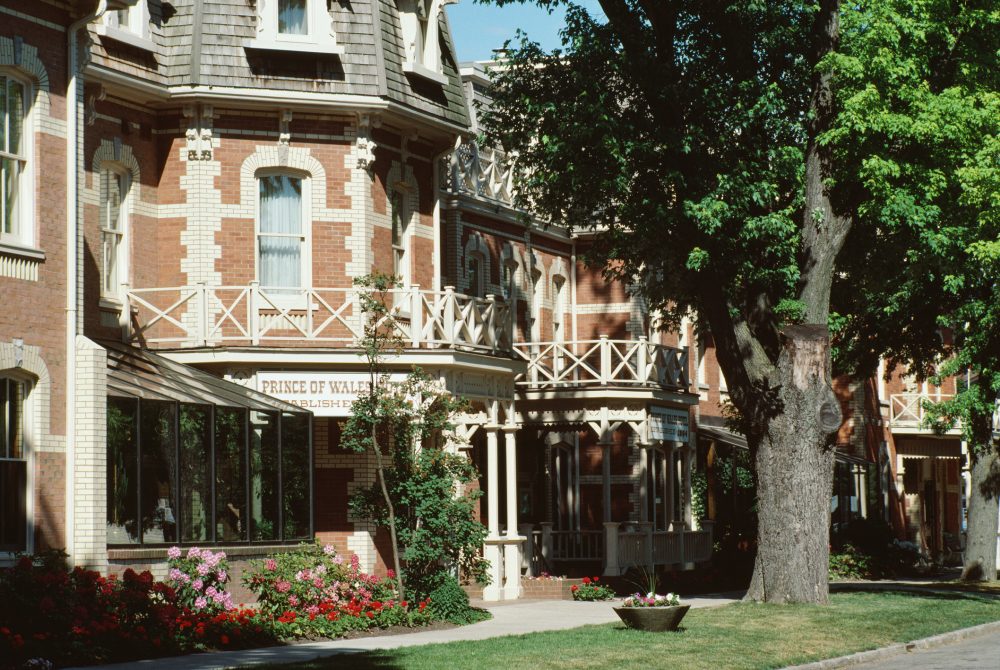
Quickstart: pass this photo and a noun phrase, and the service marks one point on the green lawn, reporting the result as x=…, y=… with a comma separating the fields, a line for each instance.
x=740, y=636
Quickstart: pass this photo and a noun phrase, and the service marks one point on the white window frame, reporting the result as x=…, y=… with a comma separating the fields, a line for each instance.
x=135, y=33
x=320, y=38
x=559, y=286
x=418, y=20
x=27, y=423
x=476, y=281
x=123, y=247
x=287, y=300
x=22, y=235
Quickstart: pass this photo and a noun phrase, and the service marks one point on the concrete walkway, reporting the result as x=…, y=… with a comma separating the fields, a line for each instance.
x=513, y=618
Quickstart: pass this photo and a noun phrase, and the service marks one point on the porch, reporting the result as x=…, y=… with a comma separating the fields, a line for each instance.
x=619, y=547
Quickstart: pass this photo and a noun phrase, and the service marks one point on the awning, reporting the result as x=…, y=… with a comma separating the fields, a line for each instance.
x=740, y=442
x=139, y=373
x=723, y=435
x=929, y=448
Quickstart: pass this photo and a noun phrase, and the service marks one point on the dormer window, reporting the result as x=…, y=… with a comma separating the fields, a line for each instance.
x=295, y=25
x=128, y=26
x=421, y=38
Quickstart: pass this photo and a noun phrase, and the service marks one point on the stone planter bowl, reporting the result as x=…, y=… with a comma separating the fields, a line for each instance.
x=653, y=619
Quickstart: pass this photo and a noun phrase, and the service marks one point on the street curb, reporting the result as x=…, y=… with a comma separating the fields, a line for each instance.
x=900, y=648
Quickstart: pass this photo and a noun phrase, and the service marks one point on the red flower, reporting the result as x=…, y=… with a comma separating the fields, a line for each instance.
x=596, y=579
x=574, y=588
x=224, y=639
x=586, y=580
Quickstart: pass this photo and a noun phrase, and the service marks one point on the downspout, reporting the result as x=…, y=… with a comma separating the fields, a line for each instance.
x=73, y=144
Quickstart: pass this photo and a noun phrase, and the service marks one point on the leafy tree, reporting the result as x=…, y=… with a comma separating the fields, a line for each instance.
x=711, y=128
x=921, y=119
x=420, y=492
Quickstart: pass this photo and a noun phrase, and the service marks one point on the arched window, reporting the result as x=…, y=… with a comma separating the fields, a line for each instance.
x=558, y=308
x=13, y=464
x=475, y=267
x=401, y=238
x=15, y=173
x=115, y=187
x=421, y=39
x=283, y=263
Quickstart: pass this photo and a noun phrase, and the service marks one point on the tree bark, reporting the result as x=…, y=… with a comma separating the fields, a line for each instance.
x=794, y=461
x=984, y=507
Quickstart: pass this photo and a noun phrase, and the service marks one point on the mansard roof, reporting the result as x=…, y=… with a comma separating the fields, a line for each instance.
x=208, y=43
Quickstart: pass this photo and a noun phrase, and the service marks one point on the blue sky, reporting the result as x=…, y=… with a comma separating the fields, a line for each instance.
x=478, y=29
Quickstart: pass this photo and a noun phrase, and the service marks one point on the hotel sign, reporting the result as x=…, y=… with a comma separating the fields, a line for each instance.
x=668, y=425
x=322, y=393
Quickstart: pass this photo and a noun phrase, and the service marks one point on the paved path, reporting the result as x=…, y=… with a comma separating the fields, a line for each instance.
x=978, y=653
x=514, y=618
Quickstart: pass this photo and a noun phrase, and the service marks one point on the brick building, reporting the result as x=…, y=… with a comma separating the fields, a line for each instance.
x=220, y=172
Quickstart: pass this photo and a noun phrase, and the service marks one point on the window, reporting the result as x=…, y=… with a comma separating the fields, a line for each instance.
x=282, y=250
x=558, y=308
x=180, y=472
x=401, y=262
x=129, y=26
x=114, y=221
x=13, y=465
x=475, y=274
x=421, y=38
x=15, y=196
x=295, y=25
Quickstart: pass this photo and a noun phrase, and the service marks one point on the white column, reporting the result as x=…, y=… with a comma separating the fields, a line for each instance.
x=512, y=550
x=688, y=455
x=644, y=491
x=492, y=552
x=669, y=477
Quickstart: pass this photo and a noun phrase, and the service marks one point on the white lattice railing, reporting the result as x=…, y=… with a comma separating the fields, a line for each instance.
x=480, y=171
x=907, y=409
x=603, y=362
x=201, y=315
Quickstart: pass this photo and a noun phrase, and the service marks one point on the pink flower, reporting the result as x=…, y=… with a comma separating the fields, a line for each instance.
x=329, y=550
x=318, y=583
x=338, y=559
x=281, y=586
x=222, y=575
x=270, y=564
x=200, y=603
x=391, y=574
x=210, y=591
x=204, y=569
x=293, y=601
x=174, y=552
x=175, y=574
x=312, y=610
x=197, y=584
x=194, y=552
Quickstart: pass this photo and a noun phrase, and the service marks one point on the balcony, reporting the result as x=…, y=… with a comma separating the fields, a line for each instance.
x=252, y=315
x=603, y=364
x=908, y=413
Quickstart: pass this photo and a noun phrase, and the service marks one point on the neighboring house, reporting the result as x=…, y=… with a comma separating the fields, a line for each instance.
x=182, y=374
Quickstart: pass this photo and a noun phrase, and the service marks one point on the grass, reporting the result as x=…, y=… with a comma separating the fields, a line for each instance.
x=740, y=636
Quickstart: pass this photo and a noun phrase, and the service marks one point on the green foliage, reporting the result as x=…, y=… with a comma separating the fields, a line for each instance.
x=867, y=549
x=449, y=602
x=409, y=427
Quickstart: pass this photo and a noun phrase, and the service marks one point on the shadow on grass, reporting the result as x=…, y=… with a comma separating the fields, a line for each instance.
x=921, y=592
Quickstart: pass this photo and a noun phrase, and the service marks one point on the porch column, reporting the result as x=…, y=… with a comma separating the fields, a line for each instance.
x=492, y=552
x=644, y=491
x=688, y=467
x=670, y=479
x=512, y=550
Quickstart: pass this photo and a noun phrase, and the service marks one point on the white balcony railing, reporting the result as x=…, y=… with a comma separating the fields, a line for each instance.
x=906, y=410
x=200, y=315
x=603, y=362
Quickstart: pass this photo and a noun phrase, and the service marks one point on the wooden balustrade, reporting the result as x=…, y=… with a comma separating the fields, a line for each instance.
x=603, y=363
x=907, y=409
x=201, y=315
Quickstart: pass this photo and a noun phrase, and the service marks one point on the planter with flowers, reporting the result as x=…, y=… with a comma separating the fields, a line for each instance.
x=591, y=589
x=652, y=612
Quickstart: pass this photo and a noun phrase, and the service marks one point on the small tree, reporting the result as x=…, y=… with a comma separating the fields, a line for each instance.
x=420, y=491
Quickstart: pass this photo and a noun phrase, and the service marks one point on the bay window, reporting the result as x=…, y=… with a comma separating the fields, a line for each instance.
x=401, y=238
x=193, y=473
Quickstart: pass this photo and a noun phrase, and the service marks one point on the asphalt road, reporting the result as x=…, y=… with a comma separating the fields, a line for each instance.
x=978, y=653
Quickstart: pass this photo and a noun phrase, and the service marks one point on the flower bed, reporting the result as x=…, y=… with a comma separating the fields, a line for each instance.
x=591, y=589
x=63, y=617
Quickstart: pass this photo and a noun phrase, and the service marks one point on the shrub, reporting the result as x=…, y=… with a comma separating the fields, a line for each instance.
x=591, y=590
x=200, y=579
x=449, y=602
x=849, y=563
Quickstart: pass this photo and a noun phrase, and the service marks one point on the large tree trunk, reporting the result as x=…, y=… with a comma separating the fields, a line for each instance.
x=794, y=463
x=981, y=540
